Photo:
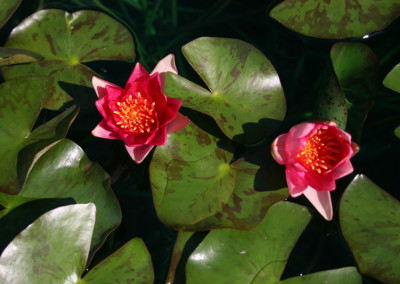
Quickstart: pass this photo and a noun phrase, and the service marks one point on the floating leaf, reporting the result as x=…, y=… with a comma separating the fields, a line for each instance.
x=259, y=255
x=67, y=40
x=7, y=8
x=62, y=170
x=245, y=96
x=392, y=80
x=370, y=222
x=55, y=248
x=341, y=275
x=336, y=19
x=10, y=56
x=20, y=104
x=357, y=69
x=196, y=187
x=397, y=131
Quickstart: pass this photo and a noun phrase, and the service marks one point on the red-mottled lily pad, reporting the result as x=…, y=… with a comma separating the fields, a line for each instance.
x=11, y=56
x=245, y=96
x=370, y=222
x=55, y=249
x=336, y=19
x=67, y=40
x=196, y=187
x=357, y=69
x=62, y=170
x=392, y=80
x=21, y=101
x=7, y=8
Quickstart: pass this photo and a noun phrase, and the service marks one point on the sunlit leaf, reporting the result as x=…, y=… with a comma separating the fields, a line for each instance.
x=66, y=41
x=336, y=19
x=370, y=222
x=245, y=96
x=196, y=187
x=392, y=80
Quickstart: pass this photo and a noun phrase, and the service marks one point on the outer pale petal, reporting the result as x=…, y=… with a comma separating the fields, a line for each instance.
x=178, y=123
x=167, y=64
x=102, y=131
x=295, y=181
x=99, y=86
x=297, y=137
x=278, y=149
x=139, y=153
x=321, y=200
x=343, y=170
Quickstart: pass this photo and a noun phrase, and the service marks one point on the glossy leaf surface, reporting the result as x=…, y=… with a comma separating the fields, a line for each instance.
x=196, y=187
x=357, y=69
x=245, y=96
x=370, y=222
x=7, y=8
x=336, y=19
x=53, y=249
x=129, y=264
x=67, y=40
x=256, y=256
x=392, y=80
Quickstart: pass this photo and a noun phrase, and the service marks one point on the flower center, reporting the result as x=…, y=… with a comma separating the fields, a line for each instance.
x=135, y=115
x=321, y=153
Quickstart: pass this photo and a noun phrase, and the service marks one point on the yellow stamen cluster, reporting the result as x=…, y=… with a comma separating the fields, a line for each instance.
x=321, y=152
x=135, y=115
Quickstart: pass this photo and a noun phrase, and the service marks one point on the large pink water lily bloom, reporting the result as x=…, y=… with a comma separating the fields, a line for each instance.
x=140, y=114
x=315, y=155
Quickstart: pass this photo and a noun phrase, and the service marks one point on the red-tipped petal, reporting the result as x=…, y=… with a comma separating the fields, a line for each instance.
x=321, y=200
x=139, y=153
x=178, y=123
x=278, y=149
x=99, y=86
x=343, y=170
x=102, y=131
x=139, y=74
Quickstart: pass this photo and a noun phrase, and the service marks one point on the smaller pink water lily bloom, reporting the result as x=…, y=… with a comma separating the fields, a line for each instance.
x=140, y=115
x=315, y=155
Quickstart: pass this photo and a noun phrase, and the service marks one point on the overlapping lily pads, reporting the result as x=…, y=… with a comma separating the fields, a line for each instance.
x=196, y=187
x=10, y=56
x=7, y=8
x=66, y=41
x=336, y=19
x=245, y=96
x=370, y=222
x=55, y=249
x=357, y=69
x=21, y=101
x=62, y=171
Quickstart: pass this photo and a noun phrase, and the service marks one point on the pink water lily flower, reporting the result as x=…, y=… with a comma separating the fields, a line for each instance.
x=315, y=155
x=140, y=114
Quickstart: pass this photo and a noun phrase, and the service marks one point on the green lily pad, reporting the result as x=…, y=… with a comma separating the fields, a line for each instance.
x=342, y=275
x=256, y=256
x=7, y=8
x=20, y=103
x=336, y=19
x=67, y=40
x=196, y=187
x=10, y=56
x=357, y=69
x=62, y=170
x=392, y=80
x=370, y=222
x=129, y=264
x=397, y=131
x=55, y=249
x=245, y=96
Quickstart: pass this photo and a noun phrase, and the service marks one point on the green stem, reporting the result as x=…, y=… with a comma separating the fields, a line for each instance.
x=180, y=243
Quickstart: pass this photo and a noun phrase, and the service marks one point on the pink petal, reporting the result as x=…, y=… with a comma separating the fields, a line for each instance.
x=321, y=200
x=170, y=112
x=297, y=137
x=343, y=170
x=355, y=148
x=139, y=153
x=295, y=181
x=139, y=74
x=99, y=86
x=346, y=136
x=321, y=182
x=178, y=123
x=102, y=131
x=278, y=149
x=160, y=137
x=167, y=64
